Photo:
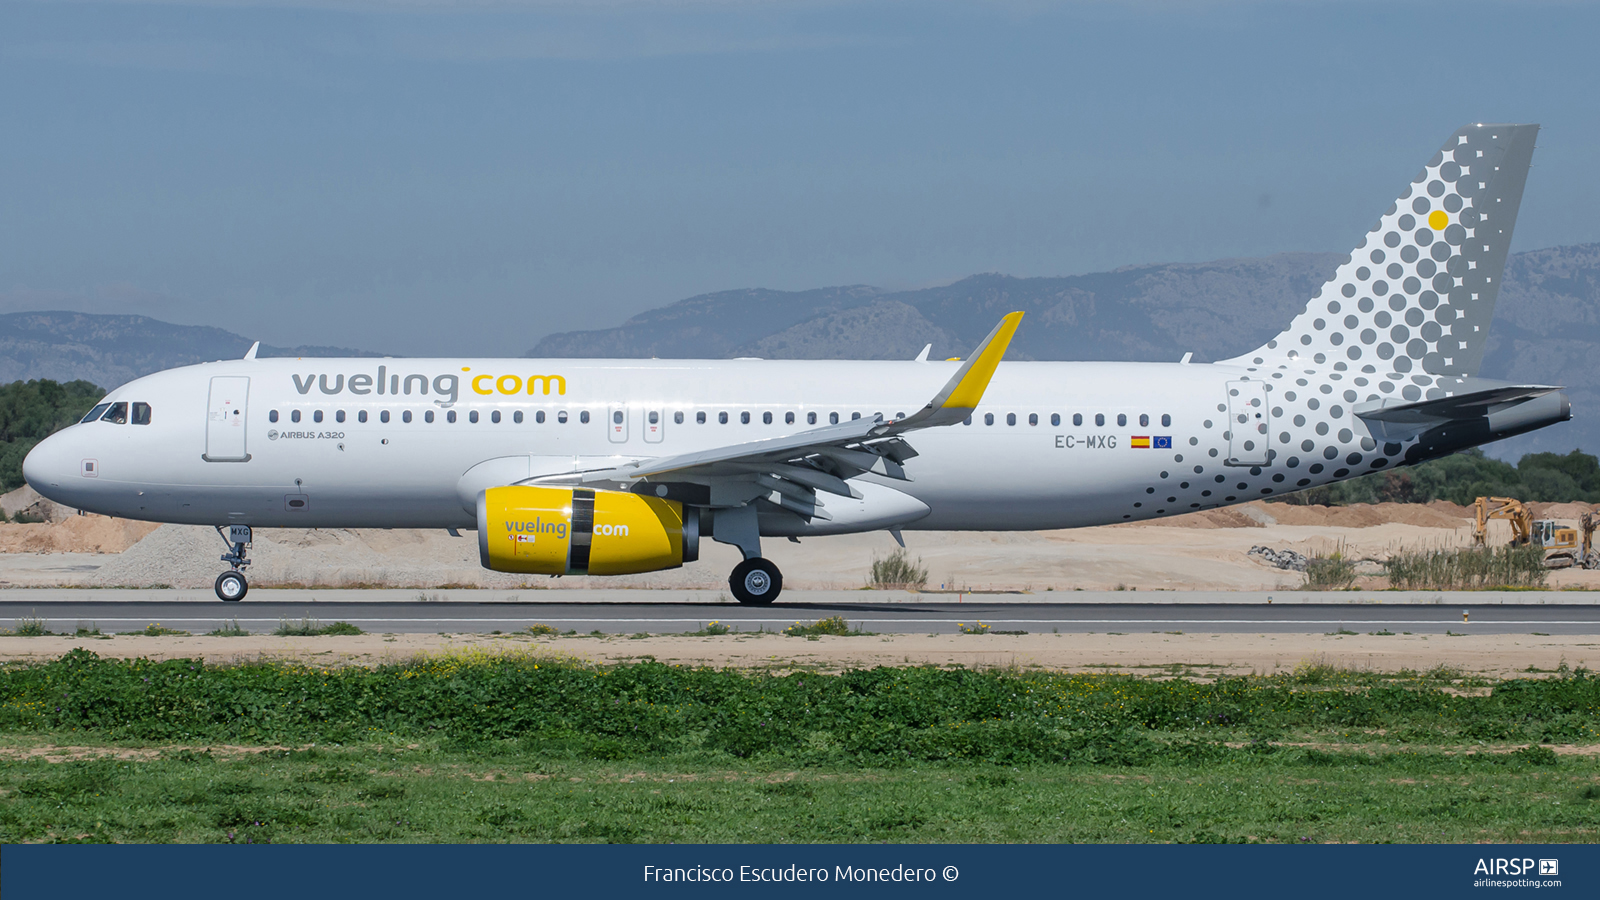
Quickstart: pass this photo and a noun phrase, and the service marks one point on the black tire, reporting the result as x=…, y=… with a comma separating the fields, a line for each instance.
x=756, y=582
x=231, y=587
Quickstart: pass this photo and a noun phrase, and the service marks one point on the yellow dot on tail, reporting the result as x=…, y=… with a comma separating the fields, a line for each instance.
x=1437, y=220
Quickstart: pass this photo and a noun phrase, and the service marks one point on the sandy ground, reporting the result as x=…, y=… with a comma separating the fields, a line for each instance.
x=1209, y=654
x=1198, y=551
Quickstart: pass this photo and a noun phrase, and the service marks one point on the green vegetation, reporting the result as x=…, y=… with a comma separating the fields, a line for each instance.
x=30, y=626
x=230, y=628
x=1466, y=569
x=1462, y=477
x=521, y=748
x=539, y=628
x=309, y=627
x=31, y=411
x=156, y=629
x=1334, y=572
x=897, y=571
x=974, y=628
x=834, y=625
x=715, y=629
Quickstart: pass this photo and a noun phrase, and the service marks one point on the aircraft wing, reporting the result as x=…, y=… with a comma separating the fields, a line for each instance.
x=789, y=470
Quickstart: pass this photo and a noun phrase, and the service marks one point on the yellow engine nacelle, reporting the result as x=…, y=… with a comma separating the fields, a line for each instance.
x=578, y=531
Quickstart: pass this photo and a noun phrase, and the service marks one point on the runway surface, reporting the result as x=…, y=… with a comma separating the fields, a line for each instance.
x=466, y=616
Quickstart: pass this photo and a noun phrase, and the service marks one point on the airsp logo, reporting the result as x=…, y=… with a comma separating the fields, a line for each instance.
x=1549, y=867
x=272, y=435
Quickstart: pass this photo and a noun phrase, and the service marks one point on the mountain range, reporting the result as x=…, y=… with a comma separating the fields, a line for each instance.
x=113, y=350
x=1546, y=328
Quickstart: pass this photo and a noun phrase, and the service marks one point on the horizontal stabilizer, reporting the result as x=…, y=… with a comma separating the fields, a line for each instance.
x=1443, y=409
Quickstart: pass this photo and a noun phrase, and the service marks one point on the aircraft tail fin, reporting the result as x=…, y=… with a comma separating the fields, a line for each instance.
x=1418, y=292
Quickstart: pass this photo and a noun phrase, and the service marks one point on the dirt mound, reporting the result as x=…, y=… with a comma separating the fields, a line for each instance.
x=1570, y=512
x=1367, y=515
x=76, y=534
x=1228, y=517
x=1437, y=514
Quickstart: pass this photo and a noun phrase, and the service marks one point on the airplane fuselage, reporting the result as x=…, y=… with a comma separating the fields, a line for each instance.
x=313, y=443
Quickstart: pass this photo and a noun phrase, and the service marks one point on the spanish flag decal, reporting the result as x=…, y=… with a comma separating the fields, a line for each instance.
x=1139, y=441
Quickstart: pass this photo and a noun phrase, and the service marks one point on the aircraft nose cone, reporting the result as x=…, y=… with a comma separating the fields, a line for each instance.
x=48, y=467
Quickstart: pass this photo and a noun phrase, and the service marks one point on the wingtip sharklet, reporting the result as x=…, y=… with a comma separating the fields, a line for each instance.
x=962, y=393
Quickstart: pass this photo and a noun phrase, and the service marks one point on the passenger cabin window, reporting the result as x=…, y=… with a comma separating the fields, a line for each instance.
x=1011, y=418
x=1099, y=418
x=583, y=417
x=1033, y=418
x=516, y=417
x=450, y=416
x=384, y=417
x=1077, y=418
x=655, y=417
x=833, y=418
x=855, y=416
x=294, y=415
x=561, y=417
x=616, y=417
x=811, y=418
x=472, y=416
x=427, y=416
x=316, y=416
x=272, y=416
x=95, y=414
x=677, y=417
x=744, y=418
x=1144, y=420
x=406, y=416
x=494, y=417
x=1166, y=420
x=117, y=414
x=141, y=414
x=1055, y=418
x=1122, y=418
x=766, y=418
x=788, y=418
x=699, y=418
x=339, y=416
x=722, y=418
x=988, y=418
x=361, y=416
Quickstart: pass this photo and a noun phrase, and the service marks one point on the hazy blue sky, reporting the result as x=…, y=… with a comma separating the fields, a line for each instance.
x=442, y=177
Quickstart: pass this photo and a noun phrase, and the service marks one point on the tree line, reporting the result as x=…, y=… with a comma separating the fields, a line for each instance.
x=1462, y=477
x=31, y=411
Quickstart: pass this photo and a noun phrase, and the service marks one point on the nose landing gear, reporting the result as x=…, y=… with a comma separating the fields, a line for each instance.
x=231, y=586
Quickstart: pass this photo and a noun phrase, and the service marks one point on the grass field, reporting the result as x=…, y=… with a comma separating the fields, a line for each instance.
x=528, y=749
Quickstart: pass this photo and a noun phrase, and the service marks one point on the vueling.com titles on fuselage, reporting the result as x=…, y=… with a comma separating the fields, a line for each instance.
x=446, y=387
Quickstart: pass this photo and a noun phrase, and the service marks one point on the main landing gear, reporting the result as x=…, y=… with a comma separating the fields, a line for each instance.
x=231, y=585
x=756, y=582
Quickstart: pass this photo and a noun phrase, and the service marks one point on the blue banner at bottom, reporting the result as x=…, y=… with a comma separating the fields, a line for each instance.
x=406, y=871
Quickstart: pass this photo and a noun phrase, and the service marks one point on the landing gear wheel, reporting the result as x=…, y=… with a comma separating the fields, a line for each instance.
x=231, y=586
x=756, y=582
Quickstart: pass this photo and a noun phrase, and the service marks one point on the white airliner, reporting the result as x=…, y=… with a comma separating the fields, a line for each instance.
x=606, y=467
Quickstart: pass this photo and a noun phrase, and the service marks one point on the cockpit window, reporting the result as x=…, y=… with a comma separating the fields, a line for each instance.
x=141, y=414
x=117, y=414
x=95, y=414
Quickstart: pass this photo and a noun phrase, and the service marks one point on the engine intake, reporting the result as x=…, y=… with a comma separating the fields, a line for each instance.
x=577, y=531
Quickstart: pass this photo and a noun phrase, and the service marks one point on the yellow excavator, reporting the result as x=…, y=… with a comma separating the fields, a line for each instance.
x=1562, y=546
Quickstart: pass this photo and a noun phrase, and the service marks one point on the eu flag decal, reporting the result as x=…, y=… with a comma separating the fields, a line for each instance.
x=1162, y=442
x=1139, y=441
